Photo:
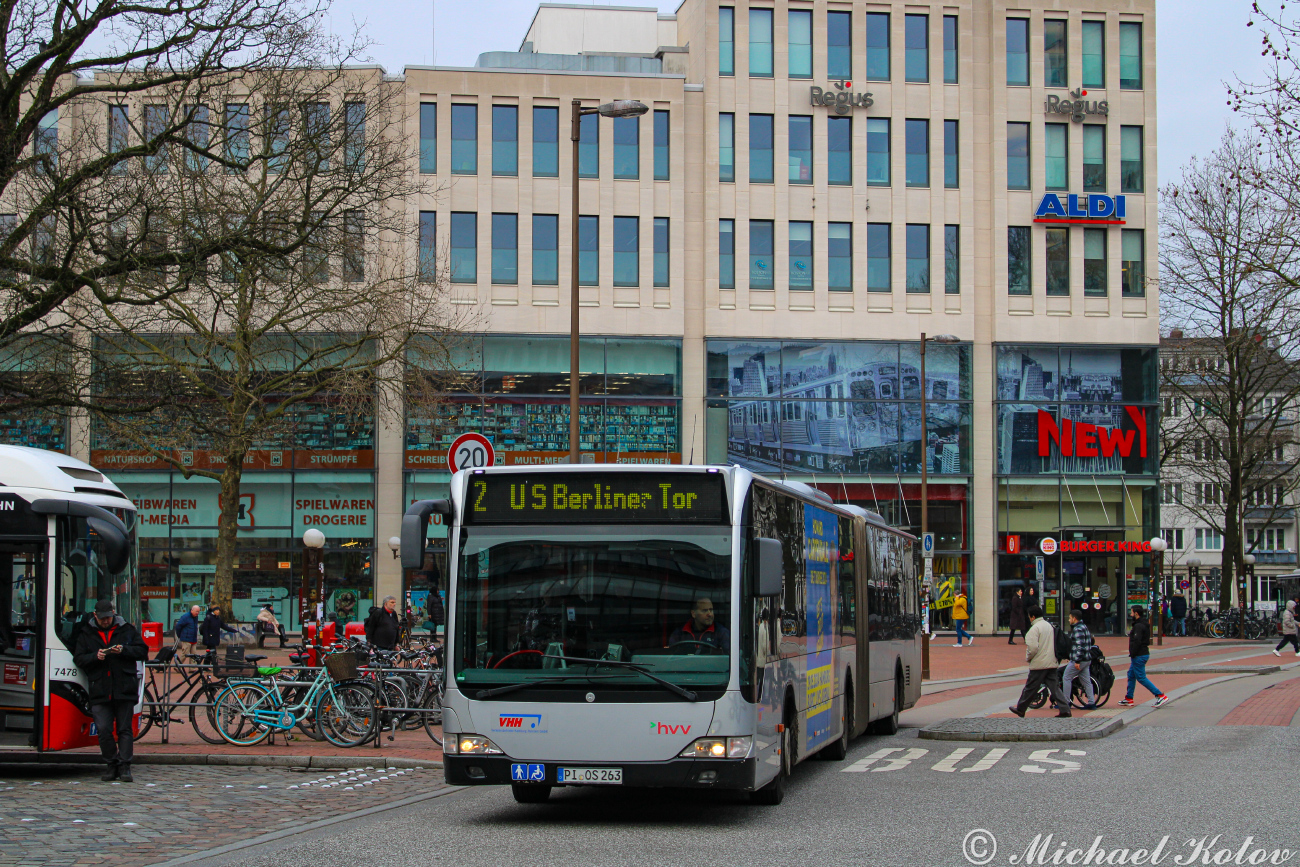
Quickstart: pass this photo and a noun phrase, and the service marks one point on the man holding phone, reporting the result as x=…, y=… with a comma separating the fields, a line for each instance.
x=107, y=650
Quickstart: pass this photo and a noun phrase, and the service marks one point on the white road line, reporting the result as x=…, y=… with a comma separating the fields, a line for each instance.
x=901, y=762
x=949, y=765
x=1067, y=766
x=990, y=759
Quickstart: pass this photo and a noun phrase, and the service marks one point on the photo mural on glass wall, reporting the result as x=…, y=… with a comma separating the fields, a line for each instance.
x=846, y=407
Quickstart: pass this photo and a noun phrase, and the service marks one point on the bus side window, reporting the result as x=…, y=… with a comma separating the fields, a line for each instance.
x=789, y=528
x=848, y=579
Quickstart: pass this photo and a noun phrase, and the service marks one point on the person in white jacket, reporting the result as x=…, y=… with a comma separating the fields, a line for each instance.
x=1288, y=630
x=1040, y=653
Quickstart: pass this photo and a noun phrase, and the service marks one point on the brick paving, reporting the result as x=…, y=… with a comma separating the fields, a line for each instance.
x=1275, y=706
x=990, y=654
x=64, y=815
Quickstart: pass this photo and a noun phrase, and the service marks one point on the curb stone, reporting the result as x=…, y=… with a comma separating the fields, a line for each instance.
x=225, y=760
x=937, y=733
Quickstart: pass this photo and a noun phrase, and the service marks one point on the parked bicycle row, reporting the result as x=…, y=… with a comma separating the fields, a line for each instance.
x=357, y=693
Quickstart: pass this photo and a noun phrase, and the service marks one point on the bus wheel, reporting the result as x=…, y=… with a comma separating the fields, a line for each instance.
x=836, y=751
x=774, y=792
x=889, y=725
x=530, y=794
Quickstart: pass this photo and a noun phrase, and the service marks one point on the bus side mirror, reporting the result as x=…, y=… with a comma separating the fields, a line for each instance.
x=770, y=566
x=415, y=529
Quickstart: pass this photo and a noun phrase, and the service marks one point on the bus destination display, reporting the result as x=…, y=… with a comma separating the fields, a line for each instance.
x=596, y=498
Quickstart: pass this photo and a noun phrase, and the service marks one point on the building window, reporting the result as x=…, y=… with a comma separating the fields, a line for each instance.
x=1209, y=539
x=801, y=256
x=1094, y=158
x=588, y=251
x=877, y=46
x=839, y=248
x=951, y=169
x=1171, y=493
x=761, y=163
x=1130, y=159
x=916, y=48
x=661, y=251
x=354, y=131
x=464, y=248
x=726, y=40
x=952, y=260
x=1130, y=55
x=505, y=248
x=1055, y=59
x=878, y=247
x=916, y=138
x=546, y=249
x=198, y=133
x=726, y=254
x=1133, y=269
x=800, y=43
x=156, y=118
x=1019, y=260
x=589, y=146
x=878, y=151
x=1017, y=156
x=918, y=258
x=1058, y=261
x=1173, y=537
x=839, y=151
x=118, y=126
x=760, y=43
x=505, y=140
x=762, y=246
x=46, y=141
x=839, y=45
x=278, y=128
x=1174, y=408
x=801, y=163
x=1056, y=156
x=627, y=148
x=237, y=135
x=1094, y=263
x=950, y=49
x=464, y=139
x=428, y=267
x=428, y=138
x=661, y=145
x=627, y=251
x=546, y=142
x=727, y=148
x=354, y=247
x=1018, y=51
x=1094, y=54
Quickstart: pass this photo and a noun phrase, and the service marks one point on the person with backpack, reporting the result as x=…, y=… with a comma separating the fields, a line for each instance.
x=959, y=618
x=1079, y=663
x=1139, y=651
x=1288, y=627
x=1040, y=653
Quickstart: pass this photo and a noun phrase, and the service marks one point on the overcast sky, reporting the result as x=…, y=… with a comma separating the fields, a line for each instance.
x=1201, y=44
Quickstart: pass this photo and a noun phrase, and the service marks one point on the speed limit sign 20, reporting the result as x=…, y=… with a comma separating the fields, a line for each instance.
x=470, y=451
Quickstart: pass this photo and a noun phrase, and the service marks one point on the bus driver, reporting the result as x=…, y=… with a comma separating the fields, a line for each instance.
x=701, y=628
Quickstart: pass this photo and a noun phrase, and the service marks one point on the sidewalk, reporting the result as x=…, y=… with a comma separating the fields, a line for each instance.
x=991, y=655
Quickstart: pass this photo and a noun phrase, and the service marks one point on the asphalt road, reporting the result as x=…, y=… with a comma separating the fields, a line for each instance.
x=899, y=807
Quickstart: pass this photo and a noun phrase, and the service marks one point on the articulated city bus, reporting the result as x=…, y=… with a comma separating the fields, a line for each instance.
x=67, y=539
x=664, y=626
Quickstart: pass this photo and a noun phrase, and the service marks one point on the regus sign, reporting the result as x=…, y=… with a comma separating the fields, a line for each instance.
x=842, y=98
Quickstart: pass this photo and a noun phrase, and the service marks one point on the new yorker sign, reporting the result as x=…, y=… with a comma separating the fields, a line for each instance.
x=1083, y=440
x=842, y=98
x=1089, y=208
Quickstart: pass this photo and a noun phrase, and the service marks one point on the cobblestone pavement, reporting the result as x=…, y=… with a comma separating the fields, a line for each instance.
x=1274, y=706
x=64, y=815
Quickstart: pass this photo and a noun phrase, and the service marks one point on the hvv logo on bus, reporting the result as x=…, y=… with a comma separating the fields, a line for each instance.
x=662, y=728
x=1088, y=208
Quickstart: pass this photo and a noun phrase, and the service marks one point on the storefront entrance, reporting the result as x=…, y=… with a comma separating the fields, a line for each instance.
x=1094, y=584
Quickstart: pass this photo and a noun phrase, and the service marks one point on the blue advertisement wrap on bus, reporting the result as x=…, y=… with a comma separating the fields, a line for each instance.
x=821, y=541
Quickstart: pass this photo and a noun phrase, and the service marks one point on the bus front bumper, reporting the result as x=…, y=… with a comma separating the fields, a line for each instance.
x=675, y=773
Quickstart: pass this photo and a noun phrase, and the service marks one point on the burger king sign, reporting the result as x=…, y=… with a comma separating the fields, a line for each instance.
x=1047, y=545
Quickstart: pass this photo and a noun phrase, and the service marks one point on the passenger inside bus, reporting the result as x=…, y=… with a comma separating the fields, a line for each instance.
x=700, y=630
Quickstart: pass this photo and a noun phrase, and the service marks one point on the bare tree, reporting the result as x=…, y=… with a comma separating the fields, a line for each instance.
x=1228, y=439
x=304, y=291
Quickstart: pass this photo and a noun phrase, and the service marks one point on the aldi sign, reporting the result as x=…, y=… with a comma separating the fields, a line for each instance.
x=1090, y=208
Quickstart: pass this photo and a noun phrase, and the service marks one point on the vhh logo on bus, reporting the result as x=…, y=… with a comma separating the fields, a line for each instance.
x=1080, y=439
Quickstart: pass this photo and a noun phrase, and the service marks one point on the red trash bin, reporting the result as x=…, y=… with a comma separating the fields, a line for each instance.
x=327, y=636
x=354, y=630
x=152, y=633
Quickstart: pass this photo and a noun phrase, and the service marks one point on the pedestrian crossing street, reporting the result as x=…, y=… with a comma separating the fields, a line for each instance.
x=965, y=760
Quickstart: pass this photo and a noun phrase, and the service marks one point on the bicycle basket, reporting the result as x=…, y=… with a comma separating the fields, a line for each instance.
x=342, y=666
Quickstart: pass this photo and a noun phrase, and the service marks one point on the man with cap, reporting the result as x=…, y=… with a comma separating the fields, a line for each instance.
x=107, y=650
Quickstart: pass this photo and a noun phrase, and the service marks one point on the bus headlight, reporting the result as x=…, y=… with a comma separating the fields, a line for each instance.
x=717, y=748
x=471, y=745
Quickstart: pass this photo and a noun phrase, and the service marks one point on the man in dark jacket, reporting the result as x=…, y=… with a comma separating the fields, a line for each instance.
x=1080, y=661
x=187, y=630
x=212, y=628
x=1017, y=616
x=382, y=626
x=1139, y=651
x=1178, y=611
x=107, y=650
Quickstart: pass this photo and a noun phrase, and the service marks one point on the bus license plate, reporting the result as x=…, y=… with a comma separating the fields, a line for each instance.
x=599, y=776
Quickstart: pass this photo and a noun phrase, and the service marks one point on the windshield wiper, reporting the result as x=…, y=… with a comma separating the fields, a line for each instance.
x=640, y=669
x=513, y=687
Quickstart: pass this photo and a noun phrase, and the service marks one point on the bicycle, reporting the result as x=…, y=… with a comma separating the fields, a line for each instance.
x=345, y=706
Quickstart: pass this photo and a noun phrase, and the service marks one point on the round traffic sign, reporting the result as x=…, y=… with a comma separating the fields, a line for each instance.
x=1047, y=545
x=470, y=451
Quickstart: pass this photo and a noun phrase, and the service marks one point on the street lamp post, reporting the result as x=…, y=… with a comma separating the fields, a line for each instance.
x=925, y=479
x=1247, y=589
x=617, y=108
x=1158, y=546
x=1193, y=582
x=311, y=595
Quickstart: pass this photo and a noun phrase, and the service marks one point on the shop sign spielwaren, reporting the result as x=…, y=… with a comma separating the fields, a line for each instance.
x=841, y=98
x=261, y=459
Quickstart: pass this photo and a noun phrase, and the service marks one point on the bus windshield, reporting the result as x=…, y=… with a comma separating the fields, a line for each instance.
x=531, y=599
x=83, y=578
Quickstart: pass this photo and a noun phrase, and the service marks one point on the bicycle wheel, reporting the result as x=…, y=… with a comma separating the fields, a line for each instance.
x=433, y=715
x=150, y=711
x=395, y=695
x=232, y=704
x=346, y=713
x=203, y=719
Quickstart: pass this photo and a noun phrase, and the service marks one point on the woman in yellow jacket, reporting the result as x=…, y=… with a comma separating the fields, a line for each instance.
x=959, y=617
